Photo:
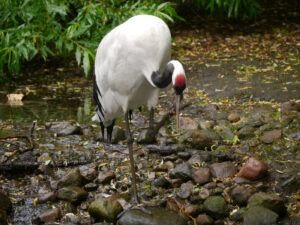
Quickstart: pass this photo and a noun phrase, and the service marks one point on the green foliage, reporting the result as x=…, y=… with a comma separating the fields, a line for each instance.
x=245, y=9
x=30, y=28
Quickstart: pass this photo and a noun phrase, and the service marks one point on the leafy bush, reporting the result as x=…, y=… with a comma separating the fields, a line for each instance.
x=59, y=27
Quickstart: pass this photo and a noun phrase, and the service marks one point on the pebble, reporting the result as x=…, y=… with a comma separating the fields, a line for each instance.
x=253, y=169
x=223, y=169
x=160, y=182
x=186, y=190
x=104, y=177
x=50, y=215
x=271, y=136
x=201, y=175
x=240, y=195
x=72, y=194
x=204, y=219
x=73, y=178
x=216, y=207
x=182, y=171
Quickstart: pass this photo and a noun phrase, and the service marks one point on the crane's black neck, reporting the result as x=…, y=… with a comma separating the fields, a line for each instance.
x=162, y=81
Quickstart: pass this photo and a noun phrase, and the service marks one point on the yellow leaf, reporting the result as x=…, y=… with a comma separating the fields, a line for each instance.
x=287, y=68
x=35, y=201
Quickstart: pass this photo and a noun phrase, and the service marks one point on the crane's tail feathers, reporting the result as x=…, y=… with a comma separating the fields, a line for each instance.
x=95, y=118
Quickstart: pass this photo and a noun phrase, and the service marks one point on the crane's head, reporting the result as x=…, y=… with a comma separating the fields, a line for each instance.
x=179, y=84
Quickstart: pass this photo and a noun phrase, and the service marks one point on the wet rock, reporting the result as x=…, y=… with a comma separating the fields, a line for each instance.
x=159, y=216
x=204, y=219
x=258, y=215
x=5, y=202
x=253, y=169
x=193, y=210
x=105, y=177
x=3, y=217
x=233, y=118
x=216, y=207
x=118, y=135
x=50, y=215
x=290, y=106
x=73, y=194
x=214, y=115
x=88, y=173
x=73, y=178
x=184, y=155
x=212, y=134
x=246, y=132
x=186, y=190
x=211, y=107
x=160, y=182
x=272, y=202
x=195, y=160
x=64, y=128
x=238, y=215
x=47, y=197
x=182, y=171
x=204, y=193
x=196, y=139
x=223, y=169
x=240, y=195
x=145, y=137
x=205, y=125
x=226, y=134
x=90, y=187
x=187, y=123
x=271, y=136
x=201, y=175
x=105, y=209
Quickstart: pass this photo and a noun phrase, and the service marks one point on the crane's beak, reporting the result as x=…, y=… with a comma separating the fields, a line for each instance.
x=177, y=103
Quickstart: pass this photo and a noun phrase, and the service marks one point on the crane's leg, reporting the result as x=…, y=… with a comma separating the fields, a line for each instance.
x=109, y=131
x=130, y=149
x=102, y=130
x=151, y=123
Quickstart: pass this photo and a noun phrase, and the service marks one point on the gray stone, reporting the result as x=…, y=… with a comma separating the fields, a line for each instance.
x=182, y=171
x=64, y=128
x=204, y=219
x=270, y=201
x=186, y=190
x=73, y=178
x=159, y=216
x=73, y=194
x=50, y=215
x=45, y=197
x=216, y=207
x=240, y=195
x=193, y=210
x=88, y=173
x=258, y=215
x=105, y=209
x=196, y=139
x=160, y=182
x=246, y=132
x=223, y=169
x=271, y=136
x=105, y=177
x=187, y=123
x=226, y=134
x=201, y=175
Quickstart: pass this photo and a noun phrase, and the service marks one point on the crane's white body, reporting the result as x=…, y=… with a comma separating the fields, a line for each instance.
x=125, y=61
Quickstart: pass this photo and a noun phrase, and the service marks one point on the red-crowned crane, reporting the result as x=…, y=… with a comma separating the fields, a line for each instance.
x=132, y=64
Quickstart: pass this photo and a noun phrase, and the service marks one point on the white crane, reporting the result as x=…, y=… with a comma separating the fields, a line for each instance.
x=132, y=64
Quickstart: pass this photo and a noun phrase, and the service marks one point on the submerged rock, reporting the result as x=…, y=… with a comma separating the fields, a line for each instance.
x=216, y=207
x=223, y=169
x=258, y=215
x=105, y=209
x=159, y=216
x=64, y=128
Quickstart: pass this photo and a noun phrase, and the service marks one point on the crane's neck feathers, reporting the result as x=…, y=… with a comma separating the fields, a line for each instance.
x=174, y=73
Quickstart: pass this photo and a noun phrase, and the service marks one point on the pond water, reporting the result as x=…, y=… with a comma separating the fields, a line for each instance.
x=69, y=99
